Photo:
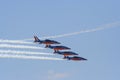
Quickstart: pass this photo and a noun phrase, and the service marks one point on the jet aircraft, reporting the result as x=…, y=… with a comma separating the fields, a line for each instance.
x=47, y=42
x=75, y=58
x=66, y=53
x=57, y=48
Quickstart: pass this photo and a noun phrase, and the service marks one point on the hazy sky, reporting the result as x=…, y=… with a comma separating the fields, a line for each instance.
x=24, y=18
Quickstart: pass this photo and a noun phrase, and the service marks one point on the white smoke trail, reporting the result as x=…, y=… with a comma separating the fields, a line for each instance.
x=23, y=52
x=19, y=46
x=110, y=25
x=116, y=24
x=28, y=57
x=15, y=41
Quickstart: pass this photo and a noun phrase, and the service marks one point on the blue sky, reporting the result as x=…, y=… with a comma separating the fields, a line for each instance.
x=24, y=18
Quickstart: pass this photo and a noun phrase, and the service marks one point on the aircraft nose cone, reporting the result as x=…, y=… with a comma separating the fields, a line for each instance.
x=83, y=59
x=58, y=42
x=68, y=48
x=75, y=54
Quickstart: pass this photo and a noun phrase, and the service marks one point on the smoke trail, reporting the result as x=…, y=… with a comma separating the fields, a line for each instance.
x=19, y=46
x=15, y=41
x=28, y=57
x=116, y=24
x=23, y=52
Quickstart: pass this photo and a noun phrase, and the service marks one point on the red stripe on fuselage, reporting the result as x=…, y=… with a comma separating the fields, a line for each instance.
x=59, y=48
x=48, y=42
x=75, y=59
x=67, y=54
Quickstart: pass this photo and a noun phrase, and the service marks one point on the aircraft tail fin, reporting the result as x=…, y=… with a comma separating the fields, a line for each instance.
x=47, y=46
x=66, y=57
x=36, y=39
